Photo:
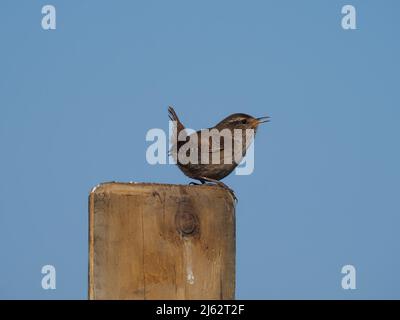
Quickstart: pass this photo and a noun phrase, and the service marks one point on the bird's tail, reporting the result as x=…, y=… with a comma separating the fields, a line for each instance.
x=174, y=117
x=172, y=114
x=178, y=127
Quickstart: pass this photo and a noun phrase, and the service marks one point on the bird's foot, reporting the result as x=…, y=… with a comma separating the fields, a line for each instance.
x=222, y=185
x=194, y=183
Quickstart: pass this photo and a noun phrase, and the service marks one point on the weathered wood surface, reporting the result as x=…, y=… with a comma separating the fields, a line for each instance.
x=156, y=241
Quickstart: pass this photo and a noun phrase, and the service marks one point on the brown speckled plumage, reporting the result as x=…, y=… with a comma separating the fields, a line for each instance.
x=213, y=172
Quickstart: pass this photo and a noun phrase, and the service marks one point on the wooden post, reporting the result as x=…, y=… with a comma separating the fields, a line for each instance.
x=159, y=241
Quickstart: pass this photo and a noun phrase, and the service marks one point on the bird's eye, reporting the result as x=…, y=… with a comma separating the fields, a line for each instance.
x=244, y=121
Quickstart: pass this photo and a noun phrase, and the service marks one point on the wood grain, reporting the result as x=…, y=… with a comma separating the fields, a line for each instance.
x=157, y=241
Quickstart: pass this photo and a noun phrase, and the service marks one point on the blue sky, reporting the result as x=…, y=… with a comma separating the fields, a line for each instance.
x=76, y=103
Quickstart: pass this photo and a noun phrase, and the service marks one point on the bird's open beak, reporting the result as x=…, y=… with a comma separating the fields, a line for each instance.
x=263, y=119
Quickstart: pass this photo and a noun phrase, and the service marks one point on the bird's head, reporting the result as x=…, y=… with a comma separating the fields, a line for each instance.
x=241, y=121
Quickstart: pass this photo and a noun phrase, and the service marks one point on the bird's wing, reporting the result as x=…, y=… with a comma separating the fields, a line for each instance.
x=227, y=146
x=207, y=146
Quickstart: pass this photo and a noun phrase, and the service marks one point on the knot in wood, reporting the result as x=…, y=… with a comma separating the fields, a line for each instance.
x=187, y=223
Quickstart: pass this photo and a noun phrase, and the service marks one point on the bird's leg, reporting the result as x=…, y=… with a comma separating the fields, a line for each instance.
x=222, y=185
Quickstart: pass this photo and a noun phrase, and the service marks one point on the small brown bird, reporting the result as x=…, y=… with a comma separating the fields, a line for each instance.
x=226, y=142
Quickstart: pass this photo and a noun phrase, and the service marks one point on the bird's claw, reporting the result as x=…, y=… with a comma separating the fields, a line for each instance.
x=232, y=193
x=194, y=184
x=222, y=185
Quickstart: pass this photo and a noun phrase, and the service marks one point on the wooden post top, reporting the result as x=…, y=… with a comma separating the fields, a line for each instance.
x=161, y=241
